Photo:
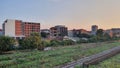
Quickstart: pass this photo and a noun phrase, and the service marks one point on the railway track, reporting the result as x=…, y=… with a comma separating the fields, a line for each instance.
x=94, y=59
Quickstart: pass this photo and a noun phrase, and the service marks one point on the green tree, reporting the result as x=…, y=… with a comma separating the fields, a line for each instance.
x=6, y=43
x=54, y=42
x=100, y=32
x=26, y=43
x=36, y=40
x=32, y=42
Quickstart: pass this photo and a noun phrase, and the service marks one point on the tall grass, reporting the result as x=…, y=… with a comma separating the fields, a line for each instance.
x=49, y=59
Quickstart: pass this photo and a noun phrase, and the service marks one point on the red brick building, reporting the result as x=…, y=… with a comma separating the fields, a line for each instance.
x=30, y=27
x=19, y=29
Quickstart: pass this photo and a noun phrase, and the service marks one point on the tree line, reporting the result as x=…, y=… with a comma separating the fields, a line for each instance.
x=35, y=42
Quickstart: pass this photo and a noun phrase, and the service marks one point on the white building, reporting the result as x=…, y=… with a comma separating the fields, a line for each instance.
x=9, y=29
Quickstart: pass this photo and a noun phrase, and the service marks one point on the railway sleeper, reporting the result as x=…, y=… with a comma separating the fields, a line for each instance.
x=100, y=58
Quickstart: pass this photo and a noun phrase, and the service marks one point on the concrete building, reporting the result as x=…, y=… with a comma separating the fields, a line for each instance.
x=1, y=32
x=19, y=29
x=45, y=30
x=30, y=27
x=45, y=33
x=77, y=32
x=94, y=29
x=116, y=32
x=70, y=33
x=58, y=32
x=109, y=32
x=113, y=32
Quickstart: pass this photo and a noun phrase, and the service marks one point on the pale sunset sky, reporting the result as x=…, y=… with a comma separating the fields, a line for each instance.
x=71, y=13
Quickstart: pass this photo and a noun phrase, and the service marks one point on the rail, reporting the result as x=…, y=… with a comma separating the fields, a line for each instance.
x=92, y=60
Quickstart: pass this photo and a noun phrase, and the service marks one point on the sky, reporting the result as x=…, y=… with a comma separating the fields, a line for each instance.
x=78, y=14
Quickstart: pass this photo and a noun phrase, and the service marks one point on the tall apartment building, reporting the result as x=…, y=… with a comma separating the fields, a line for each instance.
x=19, y=29
x=1, y=32
x=58, y=32
x=94, y=29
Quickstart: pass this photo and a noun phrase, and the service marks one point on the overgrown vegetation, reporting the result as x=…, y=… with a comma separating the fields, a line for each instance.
x=32, y=42
x=35, y=42
x=49, y=59
x=6, y=43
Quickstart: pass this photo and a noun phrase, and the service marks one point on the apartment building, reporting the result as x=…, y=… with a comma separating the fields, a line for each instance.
x=77, y=32
x=58, y=32
x=45, y=33
x=116, y=32
x=30, y=27
x=109, y=32
x=1, y=32
x=94, y=29
x=19, y=29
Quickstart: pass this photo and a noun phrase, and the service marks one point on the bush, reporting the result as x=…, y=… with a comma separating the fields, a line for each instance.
x=54, y=43
x=26, y=44
x=82, y=41
x=46, y=43
x=6, y=43
x=32, y=42
x=67, y=42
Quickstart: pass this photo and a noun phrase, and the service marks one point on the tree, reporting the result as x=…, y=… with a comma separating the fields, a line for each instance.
x=26, y=43
x=100, y=32
x=54, y=42
x=32, y=42
x=6, y=43
x=83, y=35
x=36, y=40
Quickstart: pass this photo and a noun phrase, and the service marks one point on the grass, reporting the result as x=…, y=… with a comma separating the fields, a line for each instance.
x=49, y=59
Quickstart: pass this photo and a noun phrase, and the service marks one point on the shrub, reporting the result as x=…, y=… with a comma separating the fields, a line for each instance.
x=46, y=43
x=32, y=42
x=26, y=44
x=68, y=42
x=54, y=43
x=6, y=43
x=82, y=41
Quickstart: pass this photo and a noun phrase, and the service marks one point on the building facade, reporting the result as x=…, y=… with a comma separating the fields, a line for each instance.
x=70, y=33
x=94, y=29
x=19, y=29
x=58, y=32
x=45, y=33
x=30, y=27
x=77, y=32
x=109, y=32
x=113, y=32
x=1, y=32
x=116, y=32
